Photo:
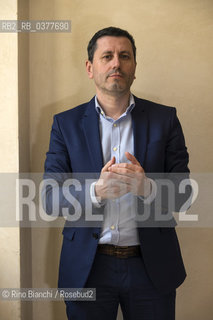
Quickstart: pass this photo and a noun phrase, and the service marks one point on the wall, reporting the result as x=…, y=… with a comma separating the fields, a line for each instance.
x=9, y=159
x=24, y=151
x=174, y=55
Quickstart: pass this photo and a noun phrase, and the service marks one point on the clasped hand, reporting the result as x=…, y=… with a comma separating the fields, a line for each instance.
x=117, y=179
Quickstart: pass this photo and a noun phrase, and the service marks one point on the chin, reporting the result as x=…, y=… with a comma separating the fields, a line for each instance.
x=117, y=88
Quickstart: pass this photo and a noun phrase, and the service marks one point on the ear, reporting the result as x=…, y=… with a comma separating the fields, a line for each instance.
x=135, y=69
x=89, y=69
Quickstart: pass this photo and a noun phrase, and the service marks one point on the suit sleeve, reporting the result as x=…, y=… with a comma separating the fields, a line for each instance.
x=57, y=158
x=168, y=197
x=176, y=158
x=65, y=193
x=176, y=163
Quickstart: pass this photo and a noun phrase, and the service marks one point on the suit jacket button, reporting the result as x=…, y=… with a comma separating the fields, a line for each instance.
x=95, y=235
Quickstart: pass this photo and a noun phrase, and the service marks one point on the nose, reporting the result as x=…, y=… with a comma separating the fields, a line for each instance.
x=116, y=62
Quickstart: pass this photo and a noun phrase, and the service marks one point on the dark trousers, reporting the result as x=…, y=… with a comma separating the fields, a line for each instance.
x=125, y=282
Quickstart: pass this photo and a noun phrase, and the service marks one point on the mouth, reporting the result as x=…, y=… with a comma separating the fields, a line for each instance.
x=115, y=75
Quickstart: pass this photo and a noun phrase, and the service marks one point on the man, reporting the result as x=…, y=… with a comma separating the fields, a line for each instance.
x=122, y=138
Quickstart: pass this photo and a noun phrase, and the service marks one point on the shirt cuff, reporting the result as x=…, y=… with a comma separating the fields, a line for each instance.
x=151, y=197
x=93, y=197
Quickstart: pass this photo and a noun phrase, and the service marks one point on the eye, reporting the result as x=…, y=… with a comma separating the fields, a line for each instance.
x=125, y=56
x=107, y=57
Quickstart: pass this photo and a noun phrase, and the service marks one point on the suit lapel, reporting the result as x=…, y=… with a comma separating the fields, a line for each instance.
x=92, y=136
x=92, y=133
x=140, y=130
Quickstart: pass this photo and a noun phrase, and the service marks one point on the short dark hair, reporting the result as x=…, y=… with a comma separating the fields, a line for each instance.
x=110, y=31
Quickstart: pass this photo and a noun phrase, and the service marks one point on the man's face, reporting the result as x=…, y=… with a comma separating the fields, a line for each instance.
x=113, y=66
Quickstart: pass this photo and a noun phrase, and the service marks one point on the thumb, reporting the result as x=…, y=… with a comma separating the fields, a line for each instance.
x=108, y=164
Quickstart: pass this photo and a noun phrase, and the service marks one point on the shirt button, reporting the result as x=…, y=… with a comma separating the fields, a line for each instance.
x=102, y=112
x=112, y=227
x=114, y=125
x=114, y=149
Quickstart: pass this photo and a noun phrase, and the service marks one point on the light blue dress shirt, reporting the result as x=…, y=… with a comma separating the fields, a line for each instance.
x=119, y=226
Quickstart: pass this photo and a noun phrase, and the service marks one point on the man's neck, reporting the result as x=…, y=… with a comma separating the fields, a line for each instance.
x=113, y=106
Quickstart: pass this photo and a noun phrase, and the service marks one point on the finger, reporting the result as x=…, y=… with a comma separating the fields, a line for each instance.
x=118, y=190
x=122, y=171
x=129, y=167
x=108, y=164
x=131, y=158
x=120, y=179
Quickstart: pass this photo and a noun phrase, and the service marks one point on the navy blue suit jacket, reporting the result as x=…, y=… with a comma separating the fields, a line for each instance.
x=159, y=146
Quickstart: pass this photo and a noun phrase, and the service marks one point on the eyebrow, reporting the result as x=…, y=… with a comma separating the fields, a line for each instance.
x=110, y=52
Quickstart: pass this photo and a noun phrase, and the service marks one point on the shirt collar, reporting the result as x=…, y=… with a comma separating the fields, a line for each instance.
x=128, y=110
